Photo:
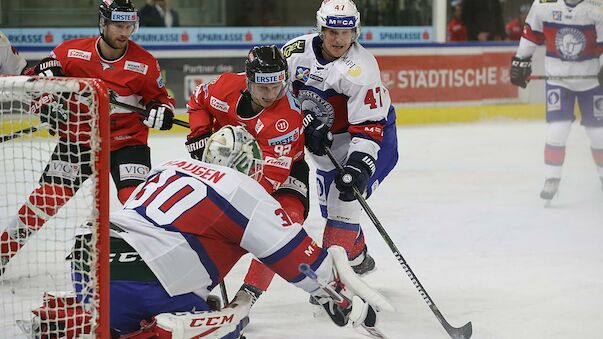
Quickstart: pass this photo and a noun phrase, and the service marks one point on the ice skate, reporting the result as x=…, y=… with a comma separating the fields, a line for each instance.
x=366, y=266
x=550, y=189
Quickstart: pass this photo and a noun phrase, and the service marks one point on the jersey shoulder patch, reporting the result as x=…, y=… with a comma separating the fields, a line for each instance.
x=297, y=46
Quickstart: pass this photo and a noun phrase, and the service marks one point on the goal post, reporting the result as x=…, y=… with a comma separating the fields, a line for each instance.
x=41, y=216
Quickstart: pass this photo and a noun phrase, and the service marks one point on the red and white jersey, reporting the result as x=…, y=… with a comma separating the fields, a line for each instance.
x=277, y=129
x=572, y=35
x=10, y=60
x=192, y=221
x=135, y=78
x=346, y=93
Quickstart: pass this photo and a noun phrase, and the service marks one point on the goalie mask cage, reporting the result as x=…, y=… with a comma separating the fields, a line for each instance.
x=42, y=267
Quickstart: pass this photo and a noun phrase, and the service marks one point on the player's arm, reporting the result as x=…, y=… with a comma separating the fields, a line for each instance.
x=158, y=103
x=532, y=37
x=200, y=119
x=368, y=108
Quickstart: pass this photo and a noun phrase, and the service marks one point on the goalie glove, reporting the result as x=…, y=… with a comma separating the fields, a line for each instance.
x=360, y=304
x=159, y=116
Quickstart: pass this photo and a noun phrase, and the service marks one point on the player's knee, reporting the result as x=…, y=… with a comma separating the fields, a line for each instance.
x=595, y=134
x=557, y=132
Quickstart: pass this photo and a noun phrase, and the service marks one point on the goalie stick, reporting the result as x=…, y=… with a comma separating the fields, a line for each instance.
x=561, y=77
x=463, y=332
x=141, y=111
x=372, y=332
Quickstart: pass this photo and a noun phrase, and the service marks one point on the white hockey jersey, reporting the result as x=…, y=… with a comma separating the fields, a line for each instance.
x=10, y=60
x=346, y=93
x=192, y=221
x=572, y=35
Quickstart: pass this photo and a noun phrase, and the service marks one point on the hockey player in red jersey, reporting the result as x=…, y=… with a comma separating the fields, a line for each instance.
x=134, y=75
x=260, y=101
x=188, y=225
x=572, y=33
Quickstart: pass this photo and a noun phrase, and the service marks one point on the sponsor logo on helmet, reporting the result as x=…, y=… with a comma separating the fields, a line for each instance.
x=269, y=78
x=136, y=67
x=124, y=16
x=79, y=54
x=341, y=21
x=160, y=82
x=219, y=104
x=295, y=47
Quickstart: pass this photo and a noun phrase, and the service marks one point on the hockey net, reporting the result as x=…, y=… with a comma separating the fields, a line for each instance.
x=38, y=274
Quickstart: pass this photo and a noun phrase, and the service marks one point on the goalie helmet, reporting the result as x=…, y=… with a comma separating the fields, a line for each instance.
x=117, y=11
x=234, y=147
x=338, y=14
x=266, y=65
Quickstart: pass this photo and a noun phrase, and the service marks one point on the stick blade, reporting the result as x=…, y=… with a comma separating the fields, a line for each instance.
x=463, y=332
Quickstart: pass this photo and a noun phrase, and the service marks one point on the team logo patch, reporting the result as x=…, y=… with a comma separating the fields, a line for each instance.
x=106, y=66
x=570, y=42
x=63, y=169
x=598, y=106
x=553, y=100
x=219, y=104
x=557, y=15
x=133, y=171
x=79, y=54
x=302, y=73
x=282, y=125
x=314, y=102
x=136, y=67
x=259, y=125
x=160, y=82
x=297, y=46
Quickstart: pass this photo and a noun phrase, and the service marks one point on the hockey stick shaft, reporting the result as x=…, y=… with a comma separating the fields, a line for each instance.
x=23, y=132
x=463, y=332
x=143, y=112
x=225, y=300
x=561, y=77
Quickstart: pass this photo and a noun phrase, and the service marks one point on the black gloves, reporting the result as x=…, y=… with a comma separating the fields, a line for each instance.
x=49, y=67
x=318, y=136
x=356, y=172
x=159, y=116
x=520, y=71
x=196, y=145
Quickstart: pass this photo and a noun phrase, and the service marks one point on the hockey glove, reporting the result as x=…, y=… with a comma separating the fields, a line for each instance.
x=357, y=172
x=600, y=76
x=318, y=136
x=520, y=71
x=49, y=67
x=360, y=303
x=159, y=116
x=196, y=145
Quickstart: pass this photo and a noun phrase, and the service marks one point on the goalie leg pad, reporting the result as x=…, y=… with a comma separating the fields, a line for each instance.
x=227, y=323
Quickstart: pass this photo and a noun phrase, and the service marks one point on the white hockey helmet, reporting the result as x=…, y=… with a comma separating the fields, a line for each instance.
x=234, y=147
x=338, y=14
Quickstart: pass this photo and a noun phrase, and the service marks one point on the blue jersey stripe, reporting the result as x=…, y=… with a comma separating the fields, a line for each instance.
x=228, y=209
x=342, y=225
x=285, y=250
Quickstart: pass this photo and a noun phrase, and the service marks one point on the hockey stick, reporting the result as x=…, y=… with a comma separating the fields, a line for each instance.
x=463, y=332
x=141, y=111
x=372, y=332
x=561, y=77
x=225, y=300
x=23, y=132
